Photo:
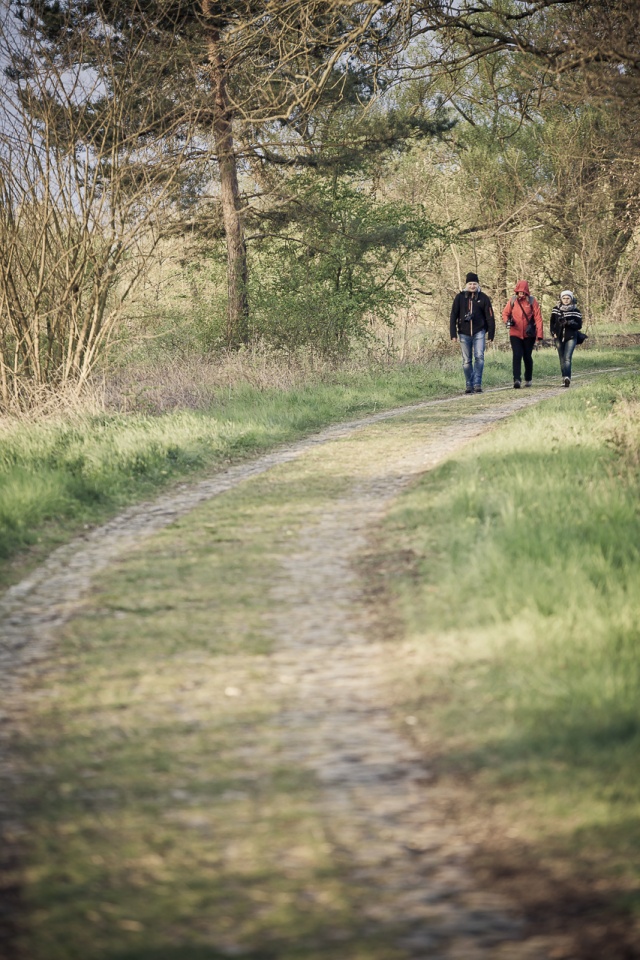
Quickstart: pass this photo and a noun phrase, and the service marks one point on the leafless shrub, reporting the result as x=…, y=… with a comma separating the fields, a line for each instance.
x=38, y=402
x=87, y=178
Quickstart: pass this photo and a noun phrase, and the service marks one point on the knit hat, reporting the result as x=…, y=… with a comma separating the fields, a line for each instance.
x=567, y=293
x=472, y=278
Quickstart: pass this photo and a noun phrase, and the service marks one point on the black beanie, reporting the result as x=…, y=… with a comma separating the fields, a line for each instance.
x=472, y=278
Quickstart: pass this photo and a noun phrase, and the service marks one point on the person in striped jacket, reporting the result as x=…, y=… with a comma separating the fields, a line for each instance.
x=565, y=322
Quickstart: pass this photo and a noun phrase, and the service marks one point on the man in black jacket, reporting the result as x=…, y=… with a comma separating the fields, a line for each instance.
x=472, y=323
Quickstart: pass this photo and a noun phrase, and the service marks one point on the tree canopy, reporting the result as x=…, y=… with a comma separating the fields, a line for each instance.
x=334, y=147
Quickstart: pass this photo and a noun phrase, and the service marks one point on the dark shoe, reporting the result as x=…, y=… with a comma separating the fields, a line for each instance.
x=527, y=383
x=469, y=390
x=516, y=384
x=477, y=389
x=567, y=381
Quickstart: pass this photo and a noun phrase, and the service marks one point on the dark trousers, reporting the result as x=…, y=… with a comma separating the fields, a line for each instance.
x=522, y=349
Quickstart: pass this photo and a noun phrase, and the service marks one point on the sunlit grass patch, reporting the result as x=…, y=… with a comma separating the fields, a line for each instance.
x=522, y=607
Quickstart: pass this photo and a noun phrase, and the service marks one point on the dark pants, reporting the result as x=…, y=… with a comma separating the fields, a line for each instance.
x=565, y=352
x=522, y=349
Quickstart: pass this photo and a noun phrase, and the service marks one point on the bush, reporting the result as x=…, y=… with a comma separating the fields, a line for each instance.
x=339, y=264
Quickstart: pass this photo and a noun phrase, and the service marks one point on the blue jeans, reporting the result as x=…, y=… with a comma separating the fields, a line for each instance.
x=473, y=357
x=565, y=352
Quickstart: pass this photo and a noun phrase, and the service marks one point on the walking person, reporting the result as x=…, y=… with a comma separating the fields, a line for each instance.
x=523, y=317
x=472, y=323
x=565, y=322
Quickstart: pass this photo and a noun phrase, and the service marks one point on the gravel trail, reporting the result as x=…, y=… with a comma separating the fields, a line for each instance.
x=382, y=811
x=376, y=790
x=32, y=610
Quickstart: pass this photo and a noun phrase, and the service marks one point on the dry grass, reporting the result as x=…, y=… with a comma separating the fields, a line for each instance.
x=44, y=402
x=189, y=379
x=196, y=381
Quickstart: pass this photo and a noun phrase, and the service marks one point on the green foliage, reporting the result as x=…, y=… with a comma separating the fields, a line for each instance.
x=341, y=261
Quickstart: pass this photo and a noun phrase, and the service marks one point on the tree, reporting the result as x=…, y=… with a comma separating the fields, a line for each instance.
x=544, y=146
x=222, y=122
x=274, y=62
x=337, y=261
x=252, y=62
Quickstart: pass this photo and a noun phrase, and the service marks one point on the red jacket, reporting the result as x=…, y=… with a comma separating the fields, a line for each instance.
x=521, y=312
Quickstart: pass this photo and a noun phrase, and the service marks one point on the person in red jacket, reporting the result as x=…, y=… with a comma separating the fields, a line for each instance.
x=523, y=317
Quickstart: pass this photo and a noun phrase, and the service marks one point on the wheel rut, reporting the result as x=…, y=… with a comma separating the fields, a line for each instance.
x=382, y=811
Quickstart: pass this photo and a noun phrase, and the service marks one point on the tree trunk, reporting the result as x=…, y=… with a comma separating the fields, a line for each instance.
x=503, y=266
x=237, y=332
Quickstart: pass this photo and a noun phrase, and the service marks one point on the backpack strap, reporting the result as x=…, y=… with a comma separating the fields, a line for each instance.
x=530, y=319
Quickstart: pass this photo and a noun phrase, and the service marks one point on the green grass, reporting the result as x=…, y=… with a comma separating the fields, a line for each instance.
x=57, y=476
x=521, y=604
x=163, y=819
x=612, y=328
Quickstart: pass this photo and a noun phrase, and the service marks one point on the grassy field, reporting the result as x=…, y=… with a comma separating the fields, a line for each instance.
x=61, y=474
x=153, y=788
x=515, y=574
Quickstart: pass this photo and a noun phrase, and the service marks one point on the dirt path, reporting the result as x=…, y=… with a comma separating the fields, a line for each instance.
x=376, y=793
x=384, y=814
x=32, y=610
